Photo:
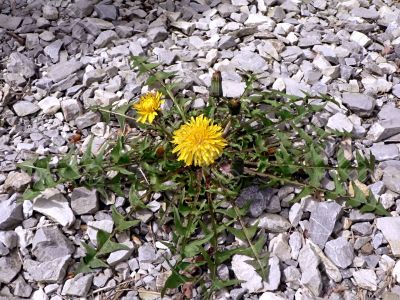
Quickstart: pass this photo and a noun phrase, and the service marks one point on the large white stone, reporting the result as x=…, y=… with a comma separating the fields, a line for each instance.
x=53, y=205
x=390, y=227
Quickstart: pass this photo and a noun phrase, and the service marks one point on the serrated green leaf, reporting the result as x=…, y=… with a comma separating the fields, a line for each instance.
x=119, y=220
x=174, y=281
x=70, y=173
x=191, y=249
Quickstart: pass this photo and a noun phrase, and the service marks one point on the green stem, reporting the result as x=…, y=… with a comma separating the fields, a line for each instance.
x=214, y=240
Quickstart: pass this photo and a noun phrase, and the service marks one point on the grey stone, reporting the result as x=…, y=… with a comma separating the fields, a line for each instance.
x=165, y=56
x=22, y=65
x=257, y=199
x=84, y=201
x=366, y=13
x=340, y=123
x=390, y=227
x=247, y=273
x=363, y=228
x=50, y=243
x=385, y=151
x=3, y=250
x=9, y=239
x=360, y=103
x=135, y=48
x=121, y=50
x=62, y=70
x=78, y=286
x=146, y=254
x=53, y=50
x=105, y=38
x=50, y=105
x=360, y=38
x=53, y=205
x=157, y=34
x=279, y=247
x=80, y=9
x=249, y=61
x=311, y=277
x=17, y=181
x=226, y=42
x=106, y=12
x=232, y=88
x=273, y=223
x=185, y=27
x=49, y=271
x=237, y=294
x=64, y=84
x=391, y=178
x=396, y=90
x=121, y=255
x=9, y=22
x=102, y=98
x=9, y=267
x=88, y=119
x=274, y=274
x=10, y=212
x=340, y=252
x=93, y=76
x=71, y=109
x=94, y=226
x=21, y=288
x=366, y=279
x=50, y=12
x=356, y=216
x=322, y=221
x=124, y=31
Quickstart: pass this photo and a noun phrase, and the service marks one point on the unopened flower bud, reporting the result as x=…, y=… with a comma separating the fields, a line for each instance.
x=216, y=85
x=234, y=106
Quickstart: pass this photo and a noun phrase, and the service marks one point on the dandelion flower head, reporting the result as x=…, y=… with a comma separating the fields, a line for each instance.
x=148, y=106
x=199, y=142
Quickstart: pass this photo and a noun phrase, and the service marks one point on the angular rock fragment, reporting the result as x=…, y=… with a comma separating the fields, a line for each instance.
x=84, y=201
x=9, y=267
x=78, y=286
x=62, y=70
x=390, y=227
x=361, y=103
x=52, y=271
x=366, y=279
x=322, y=221
x=53, y=204
x=340, y=252
x=22, y=65
x=50, y=243
x=10, y=212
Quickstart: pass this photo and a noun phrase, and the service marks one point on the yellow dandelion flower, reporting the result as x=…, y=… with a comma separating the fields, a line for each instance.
x=199, y=142
x=148, y=106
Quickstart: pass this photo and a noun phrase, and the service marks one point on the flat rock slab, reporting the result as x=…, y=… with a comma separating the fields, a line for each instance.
x=9, y=267
x=9, y=22
x=340, y=252
x=62, y=70
x=390, y=227
x=322, y=221
x=391, y=178
x=10, y=212
x=49, y=271
x=361, y=103
x=53, y=205
x=78, y=286
x=50, y=243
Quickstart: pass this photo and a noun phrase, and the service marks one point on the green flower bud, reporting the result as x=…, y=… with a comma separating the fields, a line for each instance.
x=216, y=85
